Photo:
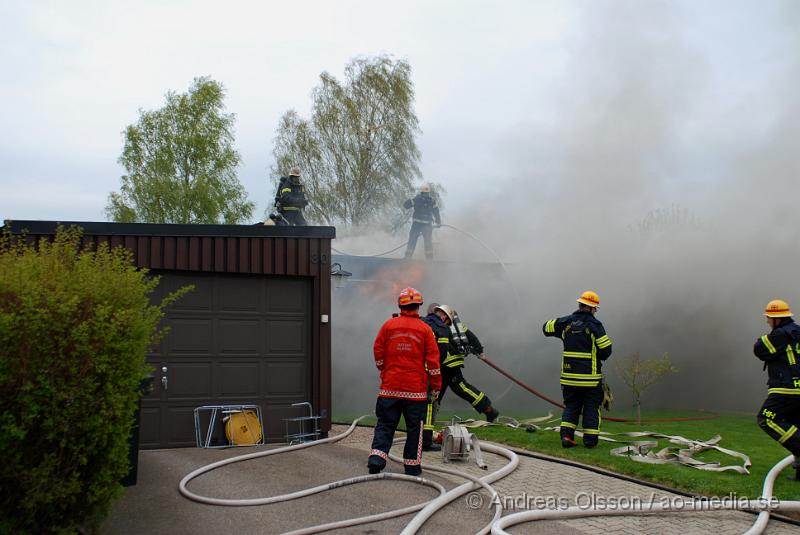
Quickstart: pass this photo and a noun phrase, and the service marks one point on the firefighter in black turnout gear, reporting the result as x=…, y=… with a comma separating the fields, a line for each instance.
x=442, y=334
x=779, y=416
x=290, y=198
x=462, y=342
x=426, y=213
x=586, y=346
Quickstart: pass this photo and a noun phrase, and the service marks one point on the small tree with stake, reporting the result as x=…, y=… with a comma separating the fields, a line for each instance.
x=640, y=374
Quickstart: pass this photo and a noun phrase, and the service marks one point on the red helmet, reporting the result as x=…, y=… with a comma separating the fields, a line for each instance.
x=409, y=296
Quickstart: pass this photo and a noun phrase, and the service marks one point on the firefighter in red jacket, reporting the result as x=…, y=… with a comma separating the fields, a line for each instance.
x=408, y=358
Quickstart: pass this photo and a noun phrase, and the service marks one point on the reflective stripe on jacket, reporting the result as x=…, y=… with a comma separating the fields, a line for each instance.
x=779, y=350
x=442, y=334
x=586, y=346
x=407, y=356
x=291, y=195
x=456, y=354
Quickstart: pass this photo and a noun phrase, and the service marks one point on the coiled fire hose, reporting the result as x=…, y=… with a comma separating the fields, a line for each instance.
x=426, y=509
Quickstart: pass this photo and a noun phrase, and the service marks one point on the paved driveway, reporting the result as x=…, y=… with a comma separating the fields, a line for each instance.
x=155, y=506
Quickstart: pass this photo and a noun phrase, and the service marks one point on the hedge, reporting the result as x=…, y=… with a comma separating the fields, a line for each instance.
x=75, y=325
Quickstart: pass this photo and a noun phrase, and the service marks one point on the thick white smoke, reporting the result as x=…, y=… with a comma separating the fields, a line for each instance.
x=663, y=176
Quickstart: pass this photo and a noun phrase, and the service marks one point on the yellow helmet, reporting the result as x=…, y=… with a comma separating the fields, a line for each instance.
x=777, y=309
x=589, y=298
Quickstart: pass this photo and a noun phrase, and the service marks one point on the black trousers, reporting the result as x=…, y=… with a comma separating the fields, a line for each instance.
x=294, y=217
x=779, y=417
x=388, y=411
x=417, y=228
x=586, y=400
x=453, y=378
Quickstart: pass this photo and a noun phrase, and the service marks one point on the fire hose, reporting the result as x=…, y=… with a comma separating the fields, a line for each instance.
x=610, y=419
x=426, y=509
x=765, y=504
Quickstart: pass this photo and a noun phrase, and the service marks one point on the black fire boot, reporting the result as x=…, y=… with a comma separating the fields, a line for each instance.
x=567, y=439
x=491, y=414
x=590, y=441
x=427, y=441
x=796, y=466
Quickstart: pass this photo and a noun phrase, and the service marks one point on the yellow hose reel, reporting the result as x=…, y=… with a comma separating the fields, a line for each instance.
x=242, y=428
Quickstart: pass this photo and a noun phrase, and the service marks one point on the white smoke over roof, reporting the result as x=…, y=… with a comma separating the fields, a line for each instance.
x=663, y=176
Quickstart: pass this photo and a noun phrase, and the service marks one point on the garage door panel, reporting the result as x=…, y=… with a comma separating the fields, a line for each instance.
x=201, y=298
x=287, y=295
x=286, y=379
x=191, y=335
x=239, y=335
x=237, y=380
x=275, y=425
x=180, y=427
x=149, y=424
x=286, y=336
x=189, y=380
x=235, y=296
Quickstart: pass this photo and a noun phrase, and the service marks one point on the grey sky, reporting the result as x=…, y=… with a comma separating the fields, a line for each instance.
x=494, y=81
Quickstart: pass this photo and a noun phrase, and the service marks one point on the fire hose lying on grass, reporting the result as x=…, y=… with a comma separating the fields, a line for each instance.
x=640, y=450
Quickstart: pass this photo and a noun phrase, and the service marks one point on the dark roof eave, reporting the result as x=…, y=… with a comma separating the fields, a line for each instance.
x=157, y=229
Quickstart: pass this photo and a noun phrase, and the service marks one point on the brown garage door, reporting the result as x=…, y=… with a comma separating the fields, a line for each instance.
x=235, y=339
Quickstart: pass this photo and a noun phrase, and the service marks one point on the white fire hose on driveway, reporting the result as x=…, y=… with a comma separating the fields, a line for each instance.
x=427, y=508
x=765, y=504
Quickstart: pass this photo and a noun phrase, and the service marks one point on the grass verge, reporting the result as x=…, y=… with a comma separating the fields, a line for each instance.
x=739, y=433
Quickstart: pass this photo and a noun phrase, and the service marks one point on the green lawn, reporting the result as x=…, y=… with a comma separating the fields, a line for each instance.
x=739, y=433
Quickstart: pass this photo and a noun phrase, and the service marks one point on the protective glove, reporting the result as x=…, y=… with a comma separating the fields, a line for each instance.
x=608, y=397
x=482, y=356
x=433, y=395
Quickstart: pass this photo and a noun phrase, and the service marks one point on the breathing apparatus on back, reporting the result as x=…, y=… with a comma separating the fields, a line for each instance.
x=458, y=332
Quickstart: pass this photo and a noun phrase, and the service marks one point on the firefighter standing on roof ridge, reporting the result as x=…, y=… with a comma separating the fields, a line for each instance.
x=442, y=334
x=408, y=359
x=779, y=416
x=426, y=213
x=586, y=346
x=462, y=342
x=290, y=199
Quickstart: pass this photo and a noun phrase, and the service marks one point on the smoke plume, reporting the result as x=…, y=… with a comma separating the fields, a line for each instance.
x=666, y=183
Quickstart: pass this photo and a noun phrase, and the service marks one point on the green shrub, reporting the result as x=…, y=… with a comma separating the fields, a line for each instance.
x=74, y=329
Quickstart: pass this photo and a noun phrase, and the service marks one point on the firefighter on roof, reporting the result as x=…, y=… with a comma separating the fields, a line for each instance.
x=780, y=414
x=290, y=199
x=426, y=213
x=408, y=359
x=586, y=346
x=462, y=342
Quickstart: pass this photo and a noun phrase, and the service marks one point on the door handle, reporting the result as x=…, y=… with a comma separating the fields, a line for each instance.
x=164, y=380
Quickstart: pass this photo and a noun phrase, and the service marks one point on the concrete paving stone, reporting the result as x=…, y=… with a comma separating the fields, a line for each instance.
x=155, y=506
